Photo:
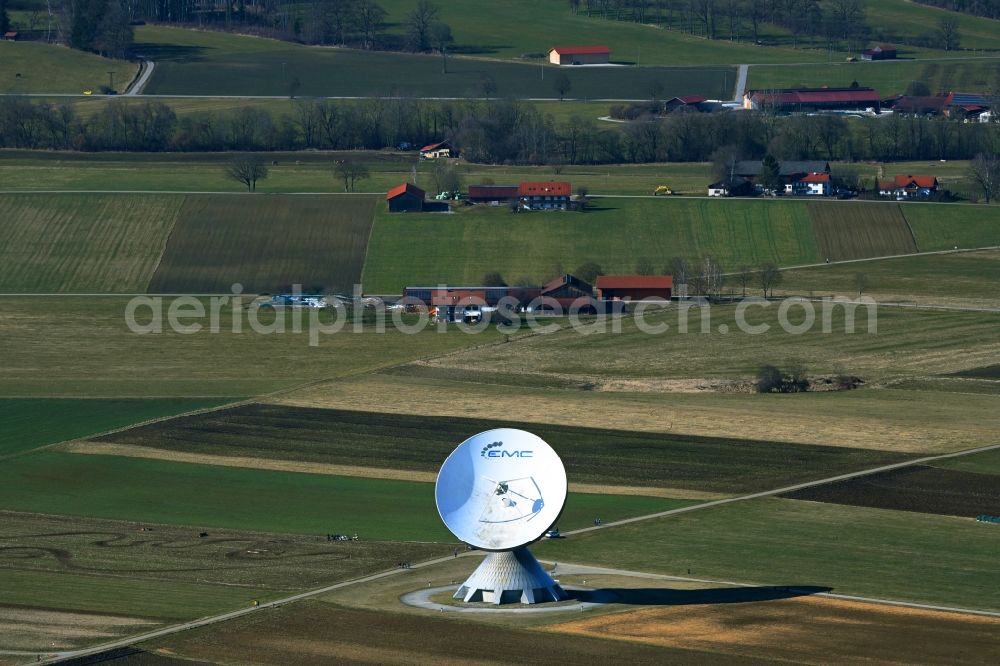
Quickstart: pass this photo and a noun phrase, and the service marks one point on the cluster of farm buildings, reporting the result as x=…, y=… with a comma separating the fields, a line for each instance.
x=812, y=178
x=527, y=195
x=610, y=294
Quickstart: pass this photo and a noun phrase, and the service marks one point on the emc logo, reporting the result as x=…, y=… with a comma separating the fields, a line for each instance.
x=494, y=451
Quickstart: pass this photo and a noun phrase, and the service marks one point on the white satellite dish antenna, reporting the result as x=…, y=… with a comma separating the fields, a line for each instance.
x=499, y=491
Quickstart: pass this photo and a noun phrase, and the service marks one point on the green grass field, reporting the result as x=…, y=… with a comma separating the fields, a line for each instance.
x=961, y=278
x=265, y=245
x=415, y=249
x=888, y=77
x=82, y=243
x=938, y=227
x=913, y=19
x=889, y=554
x=419, y=443
x=47, y=68
x=82, y=347
x=204, y=63
x=28, y=424
x=206, y=496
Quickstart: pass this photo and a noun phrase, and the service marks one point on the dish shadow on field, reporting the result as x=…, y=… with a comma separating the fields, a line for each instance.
x=660, y=596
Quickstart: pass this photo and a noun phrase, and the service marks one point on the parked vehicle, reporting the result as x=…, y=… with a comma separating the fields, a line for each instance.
x=662, y=191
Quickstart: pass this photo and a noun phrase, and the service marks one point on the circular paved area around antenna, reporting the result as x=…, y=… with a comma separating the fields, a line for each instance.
x=422, y=599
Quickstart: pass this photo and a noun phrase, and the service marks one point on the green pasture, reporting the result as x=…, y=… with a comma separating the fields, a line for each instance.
x=914, y=19
x=206, y=63
x=871, y=552
x=419, y=443
x=964, y=277
x=888, y=77
x=429, y=248
x=49, y=68
x=944, y=227
x=28, y=424
x=82, y=347
x=205, y=496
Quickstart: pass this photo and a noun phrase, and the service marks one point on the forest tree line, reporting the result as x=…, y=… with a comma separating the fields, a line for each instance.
x=495, y=132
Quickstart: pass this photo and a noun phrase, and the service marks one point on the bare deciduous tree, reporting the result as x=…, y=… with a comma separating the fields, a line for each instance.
x=562, y=84
x=247, y=169
x=768, y=277
x=350, y=171
x=418, y=24
x=984, y=171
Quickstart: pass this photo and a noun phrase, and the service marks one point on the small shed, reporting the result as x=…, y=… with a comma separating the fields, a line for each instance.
x=10, y=36
x=579, y=55
x=634, y=287
x=880, y=52
x=405, y=198
x=435, y=151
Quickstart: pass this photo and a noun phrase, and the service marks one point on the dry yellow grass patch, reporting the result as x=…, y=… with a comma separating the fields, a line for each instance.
x=31, y=629
x=133, y=451
x=815, y=630
x=905, y=421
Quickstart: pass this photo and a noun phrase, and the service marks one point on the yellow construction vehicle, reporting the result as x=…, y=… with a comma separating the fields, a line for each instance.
x=662, y=191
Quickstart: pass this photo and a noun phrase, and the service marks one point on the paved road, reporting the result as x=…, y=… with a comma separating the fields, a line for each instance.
x=741, y=83
x=146, y=68
x=166, y=631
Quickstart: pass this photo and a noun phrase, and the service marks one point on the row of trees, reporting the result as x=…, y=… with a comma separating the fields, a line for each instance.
x=492, y=132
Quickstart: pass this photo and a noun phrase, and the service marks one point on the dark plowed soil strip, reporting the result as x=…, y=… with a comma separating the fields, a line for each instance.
x=919, y=488
x=591, y=455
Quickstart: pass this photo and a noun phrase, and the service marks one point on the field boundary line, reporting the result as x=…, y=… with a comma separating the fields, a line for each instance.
x=786, y=489
x=166, y=243
x=902, y=213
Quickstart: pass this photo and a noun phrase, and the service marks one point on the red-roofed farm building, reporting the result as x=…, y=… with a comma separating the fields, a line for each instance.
x=405, y=198
x=908, y=187
x=544, y=195
x=579, y=55
x=634, y=287
x=813, y=99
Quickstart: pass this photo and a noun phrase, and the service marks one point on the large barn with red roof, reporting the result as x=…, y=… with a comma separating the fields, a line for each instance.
x=579, y=55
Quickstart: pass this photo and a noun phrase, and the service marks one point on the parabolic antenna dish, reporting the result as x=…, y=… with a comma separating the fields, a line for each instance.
x=501, y=489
